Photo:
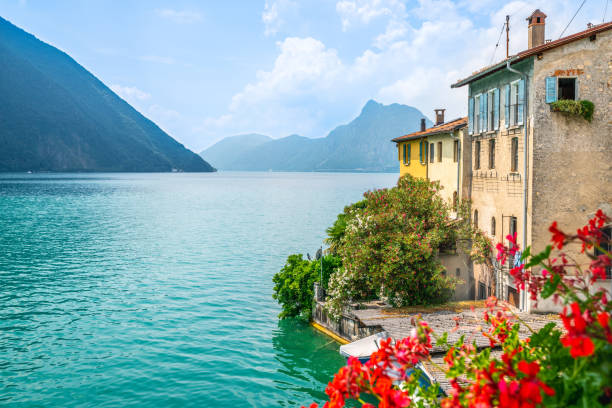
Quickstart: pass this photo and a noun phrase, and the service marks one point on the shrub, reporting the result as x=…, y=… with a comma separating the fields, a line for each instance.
x=582, y=108
x=388, y=247
x=551, y=368
x=293, y=285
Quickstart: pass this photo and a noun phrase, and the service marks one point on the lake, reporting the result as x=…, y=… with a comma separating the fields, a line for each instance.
x=156, y=289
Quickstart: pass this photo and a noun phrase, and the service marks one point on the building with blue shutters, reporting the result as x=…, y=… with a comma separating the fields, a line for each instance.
x=533, y=161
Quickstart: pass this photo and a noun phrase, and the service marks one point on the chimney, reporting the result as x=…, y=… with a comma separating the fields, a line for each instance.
x=423, y=125
x=439, y=116
x=536, y=29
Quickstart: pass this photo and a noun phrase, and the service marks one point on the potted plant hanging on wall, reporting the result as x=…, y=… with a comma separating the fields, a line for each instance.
x=582, y=108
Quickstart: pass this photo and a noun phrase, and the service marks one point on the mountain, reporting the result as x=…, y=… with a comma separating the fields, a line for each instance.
x=364, y=144
x=224, y=152
x=57, y=116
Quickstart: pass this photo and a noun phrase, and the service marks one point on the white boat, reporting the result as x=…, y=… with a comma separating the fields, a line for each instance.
x=363, y=349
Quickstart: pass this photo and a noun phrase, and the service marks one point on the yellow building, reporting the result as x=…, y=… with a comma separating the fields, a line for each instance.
x=412, y=153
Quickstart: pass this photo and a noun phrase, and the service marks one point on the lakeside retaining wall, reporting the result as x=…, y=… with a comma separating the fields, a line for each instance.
x=349, y=327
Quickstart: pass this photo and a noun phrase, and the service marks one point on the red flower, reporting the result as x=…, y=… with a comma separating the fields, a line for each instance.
x=580, y=346
x=558, y=237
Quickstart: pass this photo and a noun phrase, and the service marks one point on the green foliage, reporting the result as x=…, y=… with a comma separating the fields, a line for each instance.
x=336, y=232
x=389, y=246
x=293, y=285
x=581, y=380
x=582, y=108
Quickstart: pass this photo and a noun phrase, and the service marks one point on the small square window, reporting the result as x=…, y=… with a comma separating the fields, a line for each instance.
x=567, y=88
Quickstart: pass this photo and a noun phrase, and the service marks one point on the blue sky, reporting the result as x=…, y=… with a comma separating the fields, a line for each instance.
x=204, y=70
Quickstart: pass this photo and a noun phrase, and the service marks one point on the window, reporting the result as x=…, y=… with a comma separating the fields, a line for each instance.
x=514, y=110
x=455, y=200
x=477, y=113
x=458, y=272
x=439, y=151
x=492, y=153
x=475, y=218
x=423, y=151
x=477, y=155
x=513, y=226
x=471, y=115
x=490, y=113
x=514, y=154
x=606, y=246
x=456, y=151
x=493, y=226
x=407, y=154
x=567, y=88
x=482, y=291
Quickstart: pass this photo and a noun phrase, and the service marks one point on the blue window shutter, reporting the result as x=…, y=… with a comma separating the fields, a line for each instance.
x=485, y=112
x=471, y=115
x=408, y=154
x=551, y=89
x=480, y=112
x=507, y=104
x=421, y=152
x=496, y=108
x=521, y=101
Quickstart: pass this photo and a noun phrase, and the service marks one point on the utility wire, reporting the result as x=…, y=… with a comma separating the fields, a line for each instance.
x=603, y=20
x=568, y=24
x=497, y=45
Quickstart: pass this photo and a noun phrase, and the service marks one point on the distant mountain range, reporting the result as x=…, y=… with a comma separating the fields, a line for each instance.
x=362, y=145
x=57, y=116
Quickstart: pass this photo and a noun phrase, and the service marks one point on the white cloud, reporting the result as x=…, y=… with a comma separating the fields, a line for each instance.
x=180, y=16
x=303, y=66
x=413, y=59
x=364, y=11
x=273, y=15
x=131, y=94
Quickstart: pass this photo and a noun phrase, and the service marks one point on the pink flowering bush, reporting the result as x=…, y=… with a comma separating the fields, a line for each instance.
x=568, y=364
x=388, y=245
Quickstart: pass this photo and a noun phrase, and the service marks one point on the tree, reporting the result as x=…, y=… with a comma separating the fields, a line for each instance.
x=389, y=246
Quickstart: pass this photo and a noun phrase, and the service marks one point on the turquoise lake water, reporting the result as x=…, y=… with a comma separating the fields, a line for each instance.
x=120, y=290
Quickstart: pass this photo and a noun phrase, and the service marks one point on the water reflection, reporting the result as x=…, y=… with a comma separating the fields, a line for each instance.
x=307, y=360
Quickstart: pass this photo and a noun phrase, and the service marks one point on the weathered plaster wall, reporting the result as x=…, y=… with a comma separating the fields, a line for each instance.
x=459, y=267
x=444, y=171
x=572, y=158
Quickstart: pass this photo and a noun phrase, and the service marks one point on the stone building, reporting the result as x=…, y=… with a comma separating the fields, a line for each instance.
x=532, y=165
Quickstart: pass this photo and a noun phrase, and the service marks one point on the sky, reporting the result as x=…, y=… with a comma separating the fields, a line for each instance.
x=204, y=70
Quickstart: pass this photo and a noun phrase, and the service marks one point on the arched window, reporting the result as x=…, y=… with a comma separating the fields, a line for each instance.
x=475, y=218
x=493, y=226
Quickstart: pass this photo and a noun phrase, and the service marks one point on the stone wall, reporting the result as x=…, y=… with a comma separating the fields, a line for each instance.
x=572, y=158
x=348, y=326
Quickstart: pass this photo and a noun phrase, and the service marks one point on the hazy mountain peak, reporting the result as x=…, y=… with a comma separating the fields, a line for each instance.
x=361, y=145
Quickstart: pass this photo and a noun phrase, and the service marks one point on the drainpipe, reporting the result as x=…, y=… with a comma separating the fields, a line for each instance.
x=523, y=299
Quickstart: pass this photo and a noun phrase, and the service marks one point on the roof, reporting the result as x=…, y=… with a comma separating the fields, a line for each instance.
x=446, y=127
x=533, y=51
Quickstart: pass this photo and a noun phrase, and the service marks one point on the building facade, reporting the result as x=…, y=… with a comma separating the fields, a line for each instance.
x=412, y=153
x=532, y=165
x=436, y=153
